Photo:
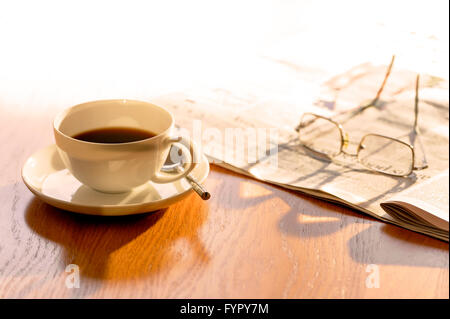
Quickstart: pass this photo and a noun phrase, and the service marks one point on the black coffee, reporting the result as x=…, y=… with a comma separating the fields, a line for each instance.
x=113, y=135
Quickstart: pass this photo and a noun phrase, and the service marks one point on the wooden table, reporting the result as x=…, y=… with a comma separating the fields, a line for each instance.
x=250, y=240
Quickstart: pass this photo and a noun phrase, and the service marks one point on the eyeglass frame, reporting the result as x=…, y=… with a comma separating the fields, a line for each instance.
x=344, y=141
x=344, y=136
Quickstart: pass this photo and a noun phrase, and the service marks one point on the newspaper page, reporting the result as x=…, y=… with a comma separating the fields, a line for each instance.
x=425, y=204
x=252, y=130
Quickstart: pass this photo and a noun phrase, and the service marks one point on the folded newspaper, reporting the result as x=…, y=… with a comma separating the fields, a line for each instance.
x=252, y=132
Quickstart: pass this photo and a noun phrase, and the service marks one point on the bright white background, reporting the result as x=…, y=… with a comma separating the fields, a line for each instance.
x=173, y=45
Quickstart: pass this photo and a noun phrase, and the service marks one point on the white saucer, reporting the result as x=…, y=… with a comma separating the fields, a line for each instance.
x=46, y=176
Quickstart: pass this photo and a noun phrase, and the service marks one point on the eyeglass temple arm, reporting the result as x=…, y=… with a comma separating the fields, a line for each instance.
x=416, y=104
x=416, y=127
x=371, y=103
x=377, y=97
x=380, y=90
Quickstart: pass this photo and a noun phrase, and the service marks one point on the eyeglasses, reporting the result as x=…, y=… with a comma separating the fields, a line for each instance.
x=327, y=138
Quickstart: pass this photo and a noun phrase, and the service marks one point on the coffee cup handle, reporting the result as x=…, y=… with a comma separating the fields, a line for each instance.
x=189, y=151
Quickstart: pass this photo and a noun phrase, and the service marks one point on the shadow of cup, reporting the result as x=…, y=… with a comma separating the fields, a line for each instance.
x=118, y=247
x=90, y=241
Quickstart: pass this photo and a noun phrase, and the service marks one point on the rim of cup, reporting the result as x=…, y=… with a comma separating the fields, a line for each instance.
x=62, y=115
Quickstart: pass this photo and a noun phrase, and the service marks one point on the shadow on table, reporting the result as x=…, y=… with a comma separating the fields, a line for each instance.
x=374, y=245
x=387, y=244
x=400, y=247
x=120, y=247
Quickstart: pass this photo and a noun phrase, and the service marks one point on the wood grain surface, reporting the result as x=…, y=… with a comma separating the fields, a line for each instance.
x=250, y=240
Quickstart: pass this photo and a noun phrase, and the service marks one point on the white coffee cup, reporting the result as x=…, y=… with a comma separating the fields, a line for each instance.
x=119, y=167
